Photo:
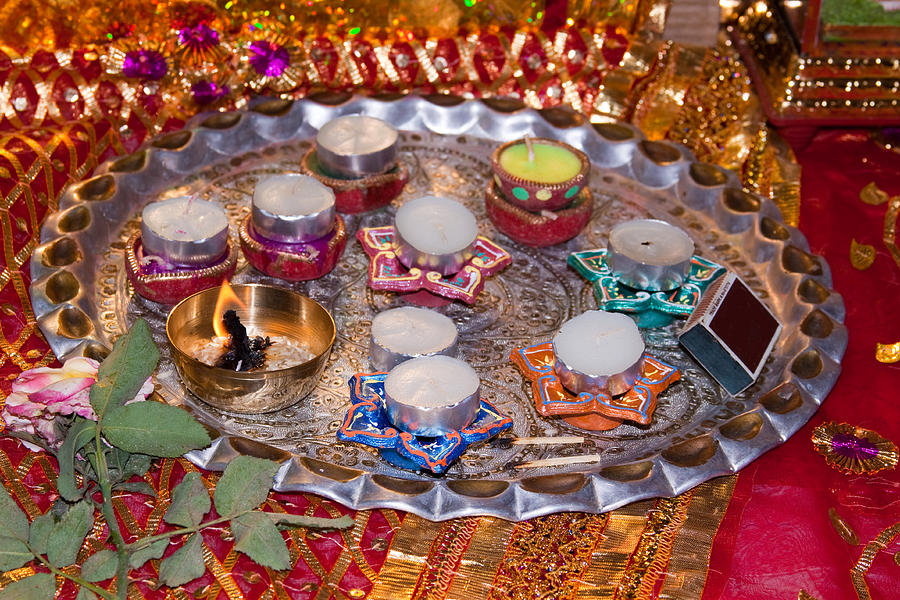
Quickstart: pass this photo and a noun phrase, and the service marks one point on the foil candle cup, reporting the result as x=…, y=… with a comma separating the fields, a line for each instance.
x=598, y=352
x=649, y=255
x=432, y=395
x=184, y=231
x=435, y=234
x=356, y=146
x=400, y=334
x=292, y=208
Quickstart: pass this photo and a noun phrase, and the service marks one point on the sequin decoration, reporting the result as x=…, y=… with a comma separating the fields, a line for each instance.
x=854, y=450
x=144, y=64
x=861, y=255
x=887, y=353
x=268, y=59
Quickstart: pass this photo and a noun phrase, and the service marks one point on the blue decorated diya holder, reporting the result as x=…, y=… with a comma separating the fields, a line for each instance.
x=651, y=308
x=367, y=423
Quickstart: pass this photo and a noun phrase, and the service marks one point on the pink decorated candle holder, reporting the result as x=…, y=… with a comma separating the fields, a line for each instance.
x=595, y=412
x=158, y=280
x=538, y=229
x=293, y=262
x=387, y=273
x=536, y=195
x=359, y=195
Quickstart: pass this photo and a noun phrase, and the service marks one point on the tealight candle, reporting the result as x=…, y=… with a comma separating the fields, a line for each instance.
x=432, y=395
x=408, y=332
x=184, y=231
x=598, y=351
x=435, y=234
x=650, y=255
x=292, y=208
x=540, y=174
x=356, y=146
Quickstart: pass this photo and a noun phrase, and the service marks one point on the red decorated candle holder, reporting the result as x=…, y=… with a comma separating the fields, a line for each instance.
x=387, y=273
x=538, y=229
x=594, y=412
x=366, y=193
x=158, y=280
x=293, y=262
x=536, y=195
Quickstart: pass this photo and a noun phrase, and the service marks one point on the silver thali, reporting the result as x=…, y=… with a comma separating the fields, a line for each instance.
x=83, y=301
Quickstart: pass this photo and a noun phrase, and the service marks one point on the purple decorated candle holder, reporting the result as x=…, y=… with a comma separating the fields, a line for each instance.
x=293, y=262
x=158, y=280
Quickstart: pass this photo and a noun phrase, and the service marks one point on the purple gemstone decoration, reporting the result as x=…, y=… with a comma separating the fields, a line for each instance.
x=207, y=92
x=268, y=58
x=850, y=446
x=144, y=64
x=199, y=37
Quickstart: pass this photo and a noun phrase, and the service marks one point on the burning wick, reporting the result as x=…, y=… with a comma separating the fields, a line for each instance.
x=243, y=353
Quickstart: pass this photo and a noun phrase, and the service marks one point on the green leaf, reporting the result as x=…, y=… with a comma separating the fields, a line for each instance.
x=137, y=464
x=121, y=375
x=100, y=566
x=116, y=459
x=36, y=587
x=244, y=485
x=185, y=565
x=256, y=536
x=154, y=428
x=13, y=553
x=137, y=487
x=154, y=550
x=80, y=433
x=41, y=528
x=85, y=594
x=13, y=522
x=310, y=522
x=68, y=535
x=190, y=501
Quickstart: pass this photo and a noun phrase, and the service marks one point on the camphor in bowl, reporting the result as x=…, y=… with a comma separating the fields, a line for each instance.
x=270, y=311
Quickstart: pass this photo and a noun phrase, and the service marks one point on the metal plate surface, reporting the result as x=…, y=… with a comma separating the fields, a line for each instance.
x=83, y=302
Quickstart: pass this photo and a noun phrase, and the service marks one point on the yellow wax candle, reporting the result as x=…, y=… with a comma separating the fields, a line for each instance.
x=551, y=164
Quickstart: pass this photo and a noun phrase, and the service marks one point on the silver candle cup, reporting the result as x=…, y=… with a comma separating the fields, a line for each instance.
x=407, y=332
x=412, y=256
x=291, y=228
x=617, y=333
x=650, y=255
x=438, y=416
x=356, y=146
x=195, y=252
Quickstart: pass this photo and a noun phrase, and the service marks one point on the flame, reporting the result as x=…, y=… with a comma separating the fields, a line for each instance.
x=227, y=300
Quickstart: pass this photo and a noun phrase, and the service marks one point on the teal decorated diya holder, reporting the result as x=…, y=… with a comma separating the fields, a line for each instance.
x=651, y=308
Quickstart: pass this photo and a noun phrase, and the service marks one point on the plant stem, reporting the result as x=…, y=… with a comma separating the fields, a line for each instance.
x=109, y=514
x=74, y=578
x=146, y=541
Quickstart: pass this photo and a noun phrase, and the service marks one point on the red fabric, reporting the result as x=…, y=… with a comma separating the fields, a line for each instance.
x=776, y=538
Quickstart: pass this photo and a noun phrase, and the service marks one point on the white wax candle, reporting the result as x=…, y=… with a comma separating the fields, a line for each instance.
x=402, y=333
x=184, y=230
x=292, y=208
x=599, y=343
x=357, y=145
x=292, y=195
x=649, y=255
x=652, y=242
x=435, y=225
x=431, y=381
x=184, y=219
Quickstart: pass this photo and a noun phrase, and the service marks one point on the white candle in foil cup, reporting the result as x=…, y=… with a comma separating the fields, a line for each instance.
x=184, y=231
x=648, y=254
x=435, y=234
x=292, y=208
x=400, y=334
x=432, y=395
x=356, y=146
x=598, y=352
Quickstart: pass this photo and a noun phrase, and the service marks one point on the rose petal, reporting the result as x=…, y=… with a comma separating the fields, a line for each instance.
x=20, y=405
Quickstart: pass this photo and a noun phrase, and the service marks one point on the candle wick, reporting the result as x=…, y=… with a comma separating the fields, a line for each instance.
x=187, y=207
x=647, y=243
x=530, y=147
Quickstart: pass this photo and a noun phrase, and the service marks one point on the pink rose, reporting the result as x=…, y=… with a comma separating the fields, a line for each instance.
x=40, y=395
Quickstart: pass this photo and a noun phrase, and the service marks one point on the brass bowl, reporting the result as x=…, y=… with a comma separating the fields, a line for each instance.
x=269, y=310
